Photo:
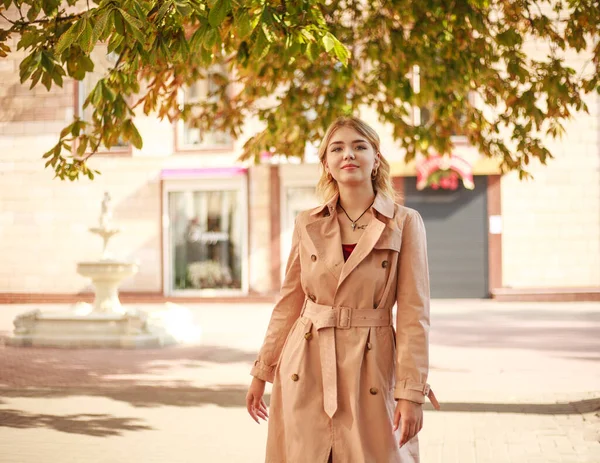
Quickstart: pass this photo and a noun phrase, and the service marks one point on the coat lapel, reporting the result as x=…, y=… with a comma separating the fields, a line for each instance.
x=324, y=232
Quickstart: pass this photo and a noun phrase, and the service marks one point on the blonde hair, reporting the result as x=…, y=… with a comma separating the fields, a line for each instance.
x=327, y=187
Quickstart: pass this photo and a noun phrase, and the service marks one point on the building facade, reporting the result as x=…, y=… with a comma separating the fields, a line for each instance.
x=203, y=226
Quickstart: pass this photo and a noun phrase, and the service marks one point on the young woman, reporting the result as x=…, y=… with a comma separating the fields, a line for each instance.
x=348, y=388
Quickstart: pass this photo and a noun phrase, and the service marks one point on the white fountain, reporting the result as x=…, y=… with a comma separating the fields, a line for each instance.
x=105, y=323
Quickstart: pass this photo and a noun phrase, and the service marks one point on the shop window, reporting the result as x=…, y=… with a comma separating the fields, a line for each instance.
x=206, y=239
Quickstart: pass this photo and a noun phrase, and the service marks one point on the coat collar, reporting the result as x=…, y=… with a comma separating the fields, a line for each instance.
x=382, y=204
x=324, y=232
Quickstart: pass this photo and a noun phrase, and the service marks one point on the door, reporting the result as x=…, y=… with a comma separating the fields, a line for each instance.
x=457, y=244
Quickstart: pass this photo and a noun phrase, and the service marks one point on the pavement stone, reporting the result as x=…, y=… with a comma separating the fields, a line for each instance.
x=517, y=382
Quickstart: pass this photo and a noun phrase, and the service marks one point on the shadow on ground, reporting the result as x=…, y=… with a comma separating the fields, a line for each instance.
x=234, y=396
x=89, y=424
x=59, y=368
x=147, y=396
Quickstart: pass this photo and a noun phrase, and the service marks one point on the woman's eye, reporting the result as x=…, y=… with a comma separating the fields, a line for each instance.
x=361, y=147
x=333, y=150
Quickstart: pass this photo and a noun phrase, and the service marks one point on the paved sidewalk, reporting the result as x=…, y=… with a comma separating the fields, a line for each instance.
x=517, y=383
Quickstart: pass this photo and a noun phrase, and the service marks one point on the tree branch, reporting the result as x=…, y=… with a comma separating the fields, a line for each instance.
x=10, y=21
x=48, y=20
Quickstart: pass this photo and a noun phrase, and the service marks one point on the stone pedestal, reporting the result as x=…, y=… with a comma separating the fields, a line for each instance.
x=68, y=329
x=106, y=275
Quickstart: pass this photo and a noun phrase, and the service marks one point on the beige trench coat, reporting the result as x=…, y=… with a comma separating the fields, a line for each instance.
x=331, y=352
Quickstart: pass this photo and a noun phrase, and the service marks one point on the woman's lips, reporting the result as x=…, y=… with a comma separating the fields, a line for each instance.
x=350, y=167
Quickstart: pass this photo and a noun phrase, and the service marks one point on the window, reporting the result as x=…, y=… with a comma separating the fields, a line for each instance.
x=422, y=116
x=191, y=138
x=103, y=61
x=206, y=237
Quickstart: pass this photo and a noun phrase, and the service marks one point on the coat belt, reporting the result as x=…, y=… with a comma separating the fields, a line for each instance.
x=327, y=320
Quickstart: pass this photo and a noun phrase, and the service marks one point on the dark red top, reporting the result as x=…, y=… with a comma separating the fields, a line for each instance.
x=347, y=249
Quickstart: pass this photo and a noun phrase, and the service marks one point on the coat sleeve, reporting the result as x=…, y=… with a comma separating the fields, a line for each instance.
x=412, y=316
x=285, y=313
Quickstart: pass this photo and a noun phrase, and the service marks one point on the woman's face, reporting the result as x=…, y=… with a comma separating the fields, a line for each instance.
x=350, y=158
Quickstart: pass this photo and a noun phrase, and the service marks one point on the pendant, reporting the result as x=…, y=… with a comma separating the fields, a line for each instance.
x=353, y=226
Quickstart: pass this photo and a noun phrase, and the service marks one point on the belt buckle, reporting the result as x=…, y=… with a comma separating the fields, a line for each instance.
x=344, y=318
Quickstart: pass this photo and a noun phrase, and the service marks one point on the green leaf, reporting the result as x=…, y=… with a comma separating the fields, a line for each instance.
x=119, y=24
x=100, y=26
x=50, y=6
x=340, y=51
x=198, y=38
x=218, y=12
x=328, y=41
x=85, y=39
x=35, y=77
x=135, y=137
x=47, y=62
x=107, y=92
x=69, y=37
x=135, y=24
x=210, y=38
x=47, y=80
x=162, y=11
x=261, y=46
x=82, y=146
x=28, y=38
x=34, y=11
x=183, y=8
x=56, y=75
x=26, y=67
x=243, y=23
x=116, y=40
x=131, y=20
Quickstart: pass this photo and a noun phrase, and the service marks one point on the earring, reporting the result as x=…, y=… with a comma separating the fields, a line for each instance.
x=374, y=173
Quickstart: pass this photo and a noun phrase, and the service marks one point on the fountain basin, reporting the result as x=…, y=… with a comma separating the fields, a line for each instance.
x=93, y=330
x=106, y=276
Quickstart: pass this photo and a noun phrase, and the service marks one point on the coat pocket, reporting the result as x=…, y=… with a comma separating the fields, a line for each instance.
x=292, y=348
x=385, y=347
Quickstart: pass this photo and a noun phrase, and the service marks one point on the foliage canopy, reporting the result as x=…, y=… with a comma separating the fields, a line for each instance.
x=298, y=64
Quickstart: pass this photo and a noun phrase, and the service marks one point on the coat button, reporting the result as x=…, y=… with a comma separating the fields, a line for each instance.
x=373, y=390
x=369, y=346
x=312, y=297
x=313, y=258
x=384, y=264
x=295, y=377
x=307, y=336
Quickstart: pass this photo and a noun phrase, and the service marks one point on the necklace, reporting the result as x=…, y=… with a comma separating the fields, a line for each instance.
x=354, y=227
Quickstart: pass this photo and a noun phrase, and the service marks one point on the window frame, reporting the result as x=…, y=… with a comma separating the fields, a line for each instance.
x=195, y=183
x=457, y=140
x=179, y=127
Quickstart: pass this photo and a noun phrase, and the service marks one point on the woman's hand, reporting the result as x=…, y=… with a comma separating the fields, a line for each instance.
x=254, y=400
x=411, y=414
